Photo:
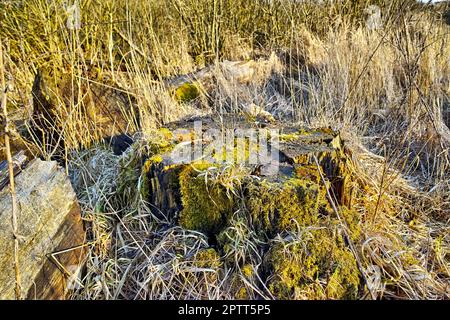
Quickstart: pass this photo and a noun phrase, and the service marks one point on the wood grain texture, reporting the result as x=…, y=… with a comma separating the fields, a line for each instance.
x=19, y=162
x=49, y=221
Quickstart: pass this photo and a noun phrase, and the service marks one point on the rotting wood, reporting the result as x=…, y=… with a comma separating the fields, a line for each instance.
x=297, y=151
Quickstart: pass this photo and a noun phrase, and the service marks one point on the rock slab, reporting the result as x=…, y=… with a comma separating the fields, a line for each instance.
x=50, y=229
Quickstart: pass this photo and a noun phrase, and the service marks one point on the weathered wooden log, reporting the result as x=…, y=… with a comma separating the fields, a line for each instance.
x=240, y=71
x=19, y=162
x=50, y=230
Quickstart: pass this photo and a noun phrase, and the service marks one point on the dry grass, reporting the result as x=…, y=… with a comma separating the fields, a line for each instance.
x=387, y=90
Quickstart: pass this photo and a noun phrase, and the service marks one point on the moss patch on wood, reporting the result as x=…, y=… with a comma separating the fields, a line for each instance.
x=289, y=219
x=277, y=207
x=205, y=205
x=302, y=266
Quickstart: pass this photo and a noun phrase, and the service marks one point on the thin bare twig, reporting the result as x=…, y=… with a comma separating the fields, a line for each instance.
x=12, y=189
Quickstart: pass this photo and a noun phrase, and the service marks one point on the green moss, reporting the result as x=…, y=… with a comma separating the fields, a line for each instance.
x=248, y=271
x=309, y=173
x=135, y=165
x=239, y=153
x=207, y=258
x=205, y=205
x=326, y=130
x=238, y=288
x=238, y=280
x=278, y=207
x=159, y=141
x=154, y=159
x=287, y=137
x=316, y=266
x=186, y=92
x=352, y=219
x=317, y=263
x=242, y=294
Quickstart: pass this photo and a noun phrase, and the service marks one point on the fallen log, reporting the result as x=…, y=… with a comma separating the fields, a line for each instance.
x=50, y=231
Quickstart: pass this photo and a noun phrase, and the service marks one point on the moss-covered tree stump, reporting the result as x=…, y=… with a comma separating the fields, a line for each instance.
x=305, y=252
